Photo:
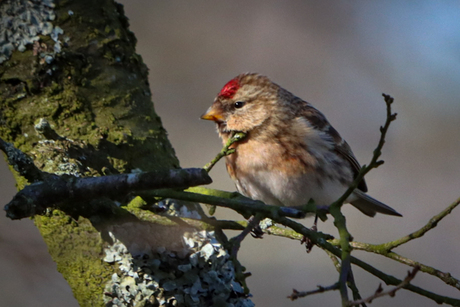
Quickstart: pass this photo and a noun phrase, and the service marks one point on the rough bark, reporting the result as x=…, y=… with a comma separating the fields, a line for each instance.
x=84, y=77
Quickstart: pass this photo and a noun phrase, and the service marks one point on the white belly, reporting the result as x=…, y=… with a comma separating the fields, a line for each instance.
x=275, y=188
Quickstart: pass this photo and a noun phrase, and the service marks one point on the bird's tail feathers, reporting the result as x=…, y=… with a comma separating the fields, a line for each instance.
x=370, y=206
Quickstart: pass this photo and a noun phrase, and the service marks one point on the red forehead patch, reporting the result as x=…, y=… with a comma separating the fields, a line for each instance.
x=229, y=89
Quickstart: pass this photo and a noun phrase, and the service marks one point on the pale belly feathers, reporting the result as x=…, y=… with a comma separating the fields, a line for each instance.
x=282, y=183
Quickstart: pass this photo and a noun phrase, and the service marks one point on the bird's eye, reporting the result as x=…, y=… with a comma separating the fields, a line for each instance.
x=239, y=104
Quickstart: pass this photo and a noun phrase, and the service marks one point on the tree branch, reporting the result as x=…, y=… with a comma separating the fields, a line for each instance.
x=445, y=277
x=21, y=162
x=388, y=279
x=243, y=205
x=380, y=249
x=235, y=242
x=54, y=189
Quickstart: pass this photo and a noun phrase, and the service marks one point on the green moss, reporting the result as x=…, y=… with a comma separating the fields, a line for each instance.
x=77, y=249
x=136, y=202
x=18, y=65
x=89, y=96
x=21, y=182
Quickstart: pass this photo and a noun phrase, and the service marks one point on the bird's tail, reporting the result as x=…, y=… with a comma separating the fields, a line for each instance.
x=370, y=206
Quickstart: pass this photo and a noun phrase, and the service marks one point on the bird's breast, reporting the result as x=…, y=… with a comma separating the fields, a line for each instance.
x=278, y=175
x=265, y=172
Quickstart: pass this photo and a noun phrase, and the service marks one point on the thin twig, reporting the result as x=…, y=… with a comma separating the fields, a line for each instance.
x=293, y=235
x=392, y=292
x=339, y=218
x=351, y=281
x=298, y=294
x=432, y=223
x=388, y=279
x=354, y=289
x=377, y=153
x=290, y=234
x=445, y=277
x=236, y=241
x=385, y=248
x=226, y=150
x=335, y=260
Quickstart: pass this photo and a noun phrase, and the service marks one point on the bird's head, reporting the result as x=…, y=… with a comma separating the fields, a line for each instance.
x=243, y=104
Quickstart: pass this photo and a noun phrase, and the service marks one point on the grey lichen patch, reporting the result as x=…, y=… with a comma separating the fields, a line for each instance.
x=56, y=159
x=61, y=155
x=266, y=223
x=55, y=149
x=44, y=129
x=199, y=273
x=99, y=106
x=174, y=207
x=21, y=24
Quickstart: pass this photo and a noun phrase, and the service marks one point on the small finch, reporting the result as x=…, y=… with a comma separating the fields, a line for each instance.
x=291, y=153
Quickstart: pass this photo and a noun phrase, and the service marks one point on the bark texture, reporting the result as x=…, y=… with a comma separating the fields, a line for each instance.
x=81, y=74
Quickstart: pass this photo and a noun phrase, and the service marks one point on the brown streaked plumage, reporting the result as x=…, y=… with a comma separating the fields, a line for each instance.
x=291, y=153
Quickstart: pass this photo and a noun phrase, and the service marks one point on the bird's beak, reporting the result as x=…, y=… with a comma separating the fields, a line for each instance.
x=213, y=114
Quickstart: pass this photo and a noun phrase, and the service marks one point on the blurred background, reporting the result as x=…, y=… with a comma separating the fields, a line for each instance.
x=338, y=55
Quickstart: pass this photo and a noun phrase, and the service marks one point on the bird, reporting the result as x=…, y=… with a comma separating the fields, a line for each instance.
x=291, y=153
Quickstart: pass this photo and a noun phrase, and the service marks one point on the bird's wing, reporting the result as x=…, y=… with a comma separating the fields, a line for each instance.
x=341, y=147
x=344, y=150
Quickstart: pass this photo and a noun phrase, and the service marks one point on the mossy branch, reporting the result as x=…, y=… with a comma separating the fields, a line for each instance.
x=35, y=198
x=444, y=276
x=243, y=205
x=385, y=249
x=21, y=162
x=373, y=248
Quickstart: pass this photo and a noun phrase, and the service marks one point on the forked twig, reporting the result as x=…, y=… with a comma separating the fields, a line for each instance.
x=339, y=218
x=392, y=292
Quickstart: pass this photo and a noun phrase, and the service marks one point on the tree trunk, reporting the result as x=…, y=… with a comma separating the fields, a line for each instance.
x=82, y=75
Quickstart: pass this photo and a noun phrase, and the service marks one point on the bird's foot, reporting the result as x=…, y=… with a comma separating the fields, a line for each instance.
x=309, y=243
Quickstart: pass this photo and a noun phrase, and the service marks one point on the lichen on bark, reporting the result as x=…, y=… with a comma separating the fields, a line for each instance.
x=95, y=95
x=77, y=248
